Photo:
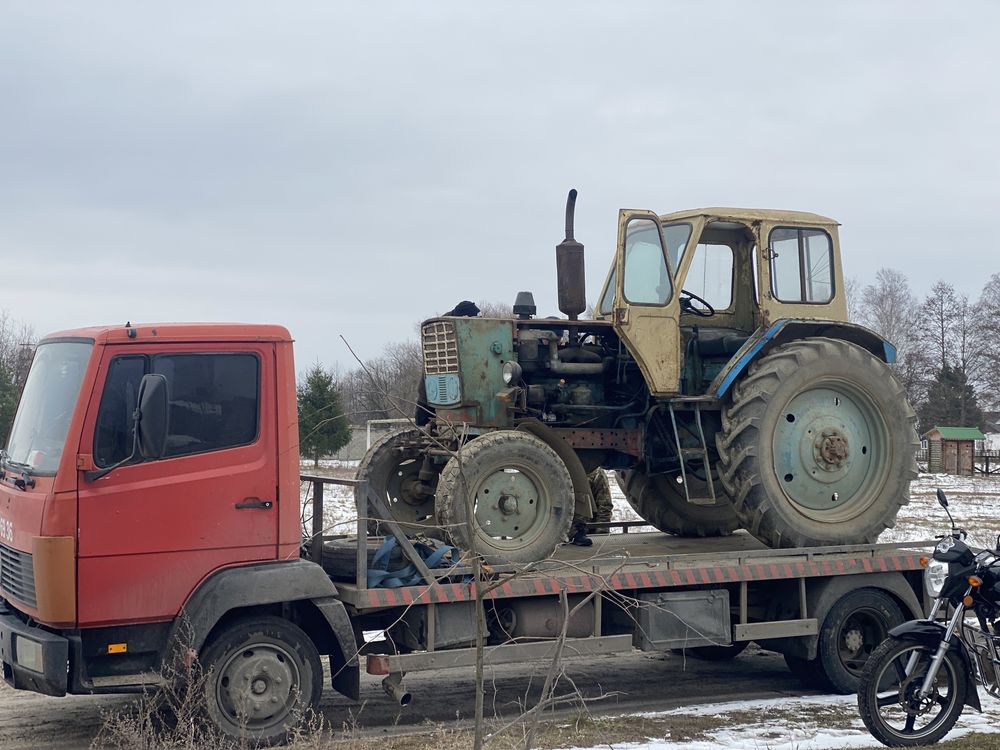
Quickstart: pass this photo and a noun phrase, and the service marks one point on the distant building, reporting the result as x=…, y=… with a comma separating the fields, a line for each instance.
x=952, y=450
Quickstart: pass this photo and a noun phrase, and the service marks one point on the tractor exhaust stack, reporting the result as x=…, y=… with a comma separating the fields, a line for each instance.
x=570, y=276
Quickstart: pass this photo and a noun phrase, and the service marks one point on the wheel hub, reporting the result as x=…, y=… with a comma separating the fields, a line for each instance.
x=909, y=696
x=831, y=449
x=825, y=442
x=507, y=505
x=257, y=683
x=414, y=492
x=854, y=640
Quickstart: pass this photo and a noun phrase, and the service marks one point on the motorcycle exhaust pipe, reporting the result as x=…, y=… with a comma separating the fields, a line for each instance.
x=394, y=689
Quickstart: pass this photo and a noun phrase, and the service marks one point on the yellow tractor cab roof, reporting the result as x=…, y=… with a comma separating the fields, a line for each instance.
x=751, y=215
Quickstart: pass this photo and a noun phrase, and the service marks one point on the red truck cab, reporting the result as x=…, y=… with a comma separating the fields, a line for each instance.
x=103, y=547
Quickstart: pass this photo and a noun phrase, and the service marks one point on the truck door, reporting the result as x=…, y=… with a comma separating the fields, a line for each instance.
x=149, y=532
x=646, y=310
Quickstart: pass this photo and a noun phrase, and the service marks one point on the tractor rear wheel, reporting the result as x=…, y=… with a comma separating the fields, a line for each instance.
x=659, y=499
x=817, y=445
x=507, y=496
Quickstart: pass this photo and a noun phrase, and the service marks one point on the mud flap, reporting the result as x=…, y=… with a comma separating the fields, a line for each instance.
x=345, y=667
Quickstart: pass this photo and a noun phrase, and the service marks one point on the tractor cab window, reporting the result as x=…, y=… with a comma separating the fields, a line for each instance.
x=647, y=280
x=608, y=301
x=801, y=265
x=710, y=275
x=676, y=236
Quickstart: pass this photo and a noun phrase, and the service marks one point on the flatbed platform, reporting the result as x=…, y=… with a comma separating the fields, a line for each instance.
x=649, y=560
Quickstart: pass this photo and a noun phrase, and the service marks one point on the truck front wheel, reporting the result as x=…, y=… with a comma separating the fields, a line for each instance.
x=817, y=445
x=261, y=676
x=507, y=496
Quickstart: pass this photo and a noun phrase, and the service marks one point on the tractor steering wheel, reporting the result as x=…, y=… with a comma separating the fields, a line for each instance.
x=705, y=311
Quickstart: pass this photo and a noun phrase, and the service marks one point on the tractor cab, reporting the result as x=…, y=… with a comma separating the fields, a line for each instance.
x=687, y=290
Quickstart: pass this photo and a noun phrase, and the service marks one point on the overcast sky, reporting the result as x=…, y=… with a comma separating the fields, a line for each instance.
x=349, y=169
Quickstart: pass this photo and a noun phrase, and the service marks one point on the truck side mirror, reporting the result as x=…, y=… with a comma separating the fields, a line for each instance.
x=151, y=427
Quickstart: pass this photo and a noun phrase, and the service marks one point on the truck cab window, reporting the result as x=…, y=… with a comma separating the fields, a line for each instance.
x=213, y=403
x=213, y=400
x=115, y=422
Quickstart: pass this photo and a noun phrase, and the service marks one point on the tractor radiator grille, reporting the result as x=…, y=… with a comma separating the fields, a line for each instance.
x=440, y=348
x=17, y=576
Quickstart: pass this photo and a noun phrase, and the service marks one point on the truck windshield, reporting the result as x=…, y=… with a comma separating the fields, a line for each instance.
x=50, y=393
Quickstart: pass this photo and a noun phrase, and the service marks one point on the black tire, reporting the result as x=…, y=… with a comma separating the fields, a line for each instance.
x=881, y=683
x=520, y=494
x=280, y=669
x=809, y=672
x=392, y=467
x=715, y=653
x=661, y=501
x=853, y=628
x=789, y=448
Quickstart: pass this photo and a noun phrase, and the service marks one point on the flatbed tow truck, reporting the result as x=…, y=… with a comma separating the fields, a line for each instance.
x=151, y=508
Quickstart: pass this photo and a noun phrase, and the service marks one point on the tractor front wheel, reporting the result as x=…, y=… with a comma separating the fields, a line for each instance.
x=506, y=496
x=392, y=469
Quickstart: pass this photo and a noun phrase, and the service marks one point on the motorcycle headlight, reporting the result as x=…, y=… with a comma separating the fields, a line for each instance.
x=511, y=372
x=934, y=576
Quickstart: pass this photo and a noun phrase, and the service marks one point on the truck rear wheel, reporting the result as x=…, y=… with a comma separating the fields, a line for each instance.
x=392, y=469
x=817, y=445
x=262, y=674
x=507, y=496
x=853, y=628
x=661, y=501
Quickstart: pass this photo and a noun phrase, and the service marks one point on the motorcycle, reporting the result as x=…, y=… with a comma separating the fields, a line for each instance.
x=918, y=681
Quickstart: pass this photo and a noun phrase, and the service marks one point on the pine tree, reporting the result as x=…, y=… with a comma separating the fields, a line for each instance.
x=8, y=401
x=951, y=402
x=323, y=427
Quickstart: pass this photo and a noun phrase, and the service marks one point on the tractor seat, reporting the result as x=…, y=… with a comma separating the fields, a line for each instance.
x=718, y=342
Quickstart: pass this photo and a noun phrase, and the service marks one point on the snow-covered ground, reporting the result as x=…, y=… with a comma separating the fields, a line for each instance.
x=811, y=723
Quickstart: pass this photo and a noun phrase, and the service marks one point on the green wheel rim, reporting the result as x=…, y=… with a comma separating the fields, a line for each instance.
x=511, y=507
x=830, y=449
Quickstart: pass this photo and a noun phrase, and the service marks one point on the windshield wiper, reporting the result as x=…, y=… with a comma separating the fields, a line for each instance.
x=25, y=480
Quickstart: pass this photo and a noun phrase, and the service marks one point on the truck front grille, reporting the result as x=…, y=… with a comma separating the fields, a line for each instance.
x=440, y=348
x=17, y=576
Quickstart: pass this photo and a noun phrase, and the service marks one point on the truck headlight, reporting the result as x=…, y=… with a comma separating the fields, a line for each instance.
x=934, y=577
x=511, y=372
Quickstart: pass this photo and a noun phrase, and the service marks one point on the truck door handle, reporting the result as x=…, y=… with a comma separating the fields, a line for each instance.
x=253, y=502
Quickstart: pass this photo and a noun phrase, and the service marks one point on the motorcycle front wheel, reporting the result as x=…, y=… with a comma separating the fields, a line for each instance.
x=889, y=699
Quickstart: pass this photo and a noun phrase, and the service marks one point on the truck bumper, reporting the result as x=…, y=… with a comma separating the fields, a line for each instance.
x=32, y=658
